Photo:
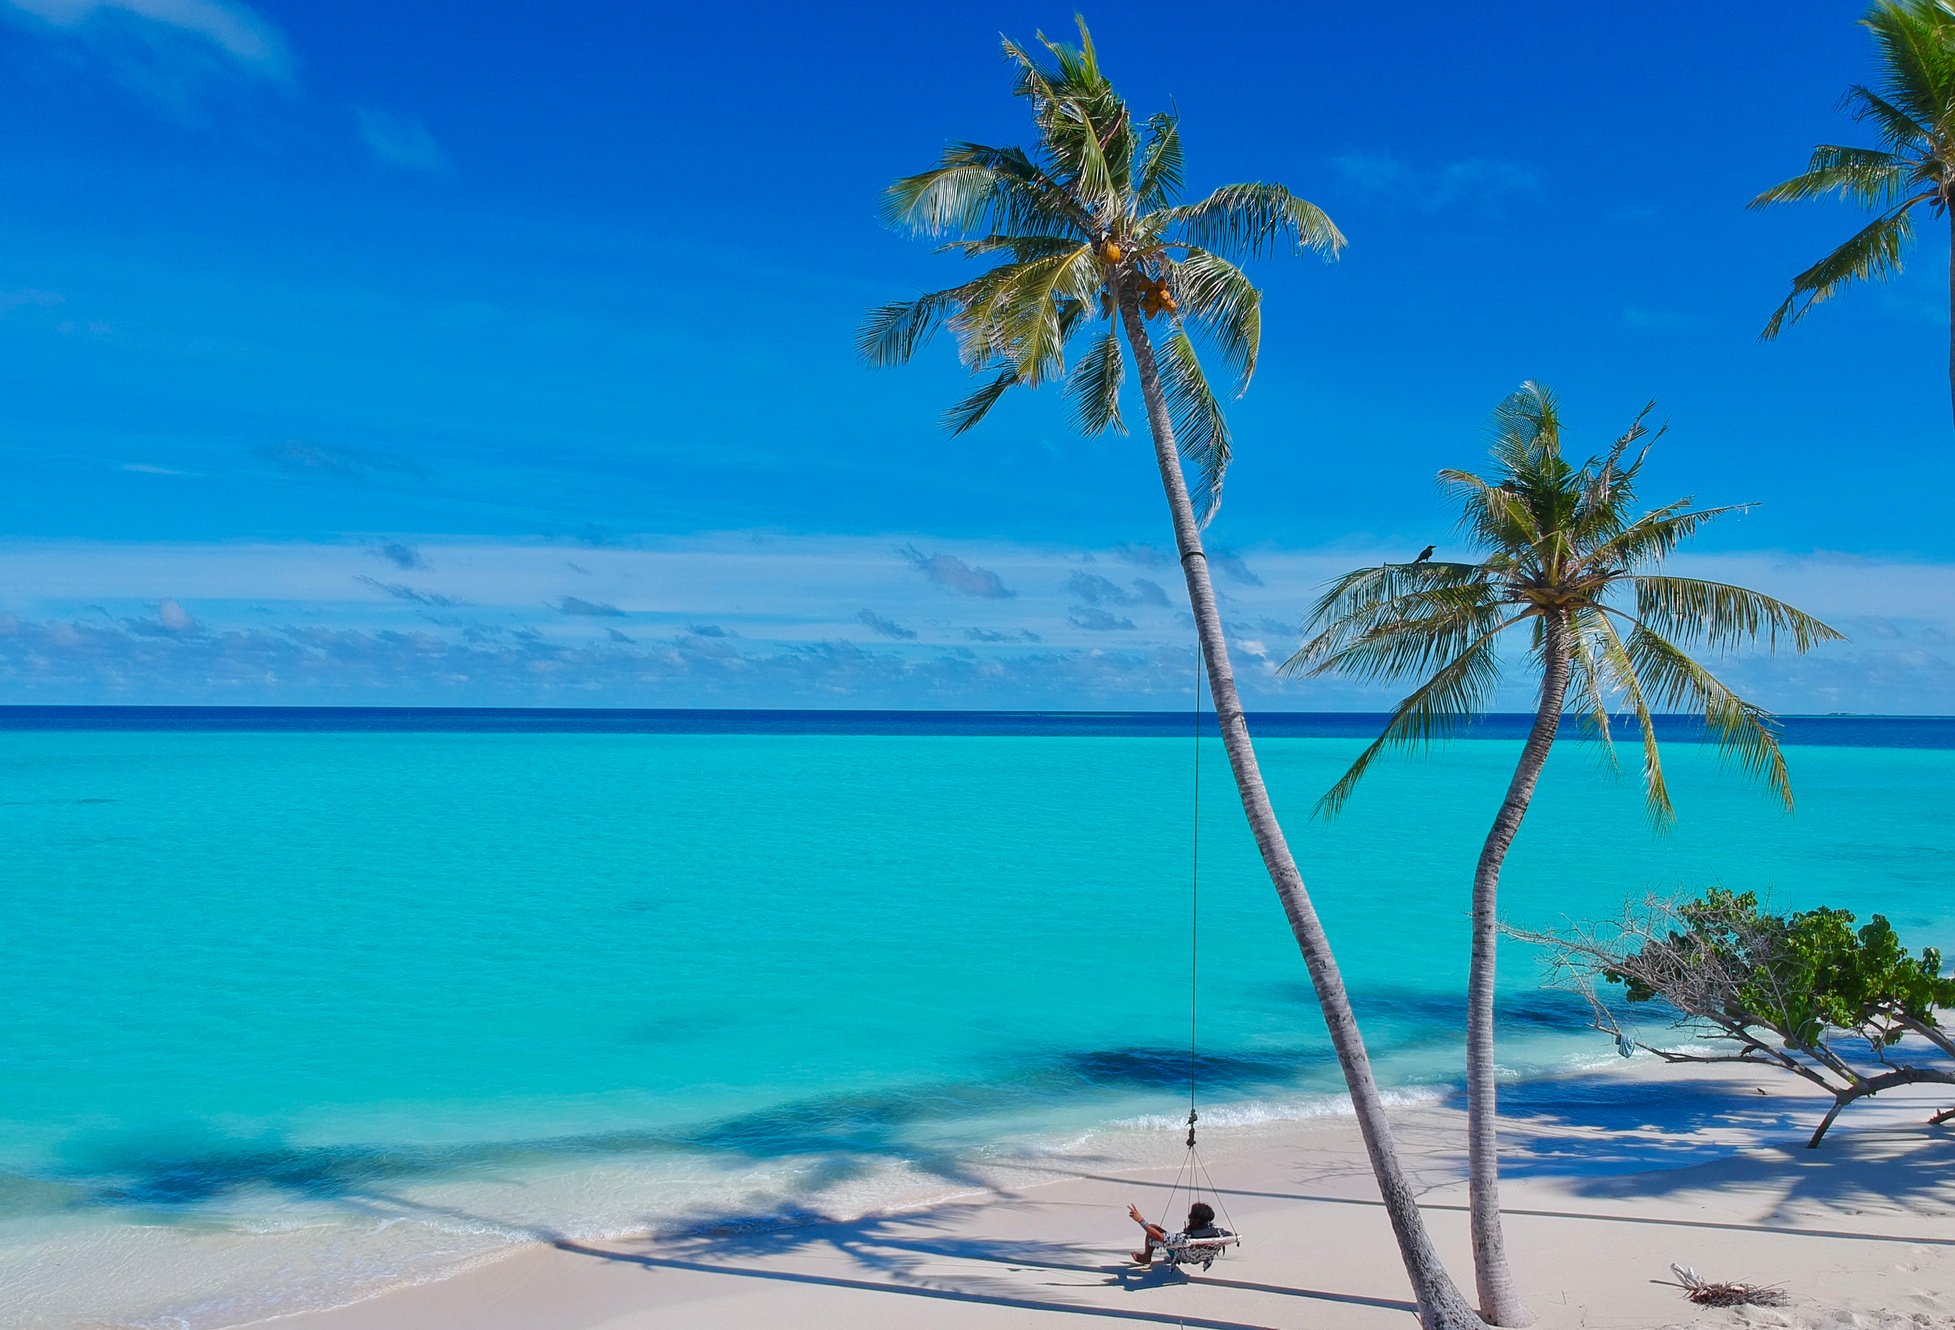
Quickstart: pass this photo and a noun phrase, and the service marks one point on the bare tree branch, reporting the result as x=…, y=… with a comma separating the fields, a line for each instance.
x=1798, y=992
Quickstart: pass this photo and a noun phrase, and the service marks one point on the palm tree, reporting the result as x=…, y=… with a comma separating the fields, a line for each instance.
x=1913, y=114
x=1566, y=561
x=1087, y=227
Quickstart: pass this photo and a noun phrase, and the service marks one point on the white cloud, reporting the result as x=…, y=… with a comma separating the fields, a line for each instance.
x=1482, y=185
x=221, y=26
x=875, y=623
x=949, y=571
x=766, y=620
x=28, y=298
x=400, y=141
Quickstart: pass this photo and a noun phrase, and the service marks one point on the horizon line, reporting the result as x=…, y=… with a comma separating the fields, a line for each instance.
x=33, y=707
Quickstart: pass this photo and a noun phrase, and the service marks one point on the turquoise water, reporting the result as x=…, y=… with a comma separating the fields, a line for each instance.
x=293, y=1015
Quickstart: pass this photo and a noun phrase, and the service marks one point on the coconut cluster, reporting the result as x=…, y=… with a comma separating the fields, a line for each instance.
x=1155, y=298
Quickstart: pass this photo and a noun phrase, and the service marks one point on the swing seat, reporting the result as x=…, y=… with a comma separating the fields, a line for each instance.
x=1181, y=1249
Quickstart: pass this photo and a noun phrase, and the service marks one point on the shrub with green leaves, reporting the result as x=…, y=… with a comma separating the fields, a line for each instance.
x=1849, y=1009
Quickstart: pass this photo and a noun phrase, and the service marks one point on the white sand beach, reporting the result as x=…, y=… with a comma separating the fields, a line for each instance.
x=1705, y=1167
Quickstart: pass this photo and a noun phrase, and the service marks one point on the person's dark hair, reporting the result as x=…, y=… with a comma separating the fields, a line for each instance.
x=1200, y=1215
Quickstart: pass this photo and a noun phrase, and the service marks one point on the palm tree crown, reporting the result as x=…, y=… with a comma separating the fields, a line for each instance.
x=1567, y=561
x=1086, y=221
x=1912, y=111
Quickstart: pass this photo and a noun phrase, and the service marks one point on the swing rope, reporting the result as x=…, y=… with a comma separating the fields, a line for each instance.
x=1192, y=1166
x=1195, y=890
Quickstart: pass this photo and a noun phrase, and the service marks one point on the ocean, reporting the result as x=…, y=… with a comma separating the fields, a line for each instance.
x=298, y=1004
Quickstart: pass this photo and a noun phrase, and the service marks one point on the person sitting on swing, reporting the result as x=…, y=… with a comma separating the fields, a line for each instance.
x=1201, y=1224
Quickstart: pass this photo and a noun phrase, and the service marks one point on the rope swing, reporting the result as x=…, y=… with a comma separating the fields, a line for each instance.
x=1199, y=1251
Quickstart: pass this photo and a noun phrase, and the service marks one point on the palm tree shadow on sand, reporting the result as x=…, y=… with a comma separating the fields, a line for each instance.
x=923, y=1255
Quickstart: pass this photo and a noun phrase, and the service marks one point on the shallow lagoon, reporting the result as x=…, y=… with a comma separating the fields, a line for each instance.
x=355, y=1005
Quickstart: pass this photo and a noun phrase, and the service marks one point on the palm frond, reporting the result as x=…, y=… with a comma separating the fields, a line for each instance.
x=1200, y=432
x=1622, y=671
x=1526, y=444
x=1021, y=314
x=1098, y=174
x=1612, y=472
x=1254, y=219
x=1020, y=248
x=974, y=408
x=1348, y=613
x=1030, y=323
x=1900, y=131
x=1590, y=678
x=1363, y=590
x=980, y=189
x=1494, y=515
x=1220, y=299
x=1651, y=537
x=1047, y=218
x=892, y=333
x=1439, y=708
x=1376, y=600
x=1609, y=489
x=1084, y=125
x=977, y=323
x=1743, y=730
x=1095, y=386
x=1914, y=40
x=1158, y=181
x=1866, y=176
x=1696, y=612
x=1526, y=427
x=1560, y=543
x=1873, y=254
x=1411, y=642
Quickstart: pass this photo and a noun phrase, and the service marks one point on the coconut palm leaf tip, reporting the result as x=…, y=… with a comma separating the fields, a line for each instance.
x=1912, y=112
x=1086, y=223
x=1567, y=559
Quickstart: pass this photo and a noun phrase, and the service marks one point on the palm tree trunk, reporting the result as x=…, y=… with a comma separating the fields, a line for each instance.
x=1500, y=1302
x=1441, y=1307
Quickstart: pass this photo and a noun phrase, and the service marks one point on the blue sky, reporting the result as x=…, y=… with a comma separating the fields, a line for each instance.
x=474, y=354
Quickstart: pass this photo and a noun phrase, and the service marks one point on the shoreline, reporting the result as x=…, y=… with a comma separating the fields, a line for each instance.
x=1608, y=1177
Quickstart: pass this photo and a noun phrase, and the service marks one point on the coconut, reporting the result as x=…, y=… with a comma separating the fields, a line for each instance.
x=1110, y=252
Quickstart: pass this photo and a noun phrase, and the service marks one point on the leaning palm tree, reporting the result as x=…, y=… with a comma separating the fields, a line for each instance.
x=1086, y=228
x=1913, y=114
x=1569, y=564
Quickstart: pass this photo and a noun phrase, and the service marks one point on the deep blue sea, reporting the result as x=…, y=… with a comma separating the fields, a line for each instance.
x=298, y=1003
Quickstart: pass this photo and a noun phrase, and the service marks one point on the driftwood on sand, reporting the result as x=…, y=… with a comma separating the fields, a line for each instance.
x=1710, y=1293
